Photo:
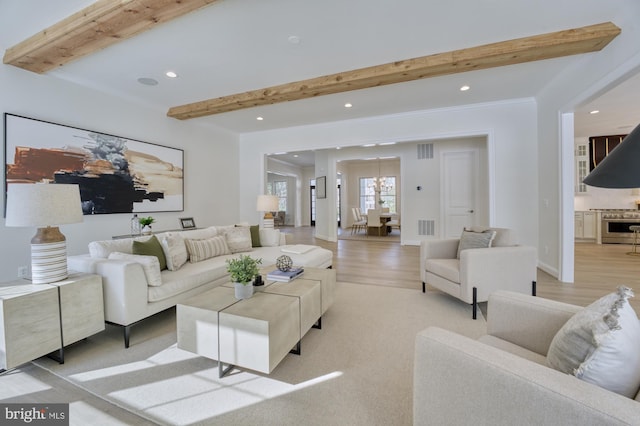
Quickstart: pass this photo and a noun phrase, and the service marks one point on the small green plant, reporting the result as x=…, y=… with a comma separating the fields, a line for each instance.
x=243, y=269
x=145, y=221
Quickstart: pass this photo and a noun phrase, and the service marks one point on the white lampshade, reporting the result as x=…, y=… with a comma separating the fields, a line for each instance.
x=267, y=203
x=45, y=206
x=41, y=205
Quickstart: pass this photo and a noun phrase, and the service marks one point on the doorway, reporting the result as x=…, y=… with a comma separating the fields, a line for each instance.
x=459, y=191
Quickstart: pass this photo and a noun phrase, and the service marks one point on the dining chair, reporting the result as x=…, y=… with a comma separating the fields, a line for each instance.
x=394, y=222
x=373, y=221
x=358, y=221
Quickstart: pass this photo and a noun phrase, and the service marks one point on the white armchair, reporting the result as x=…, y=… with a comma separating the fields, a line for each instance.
x=479, y=271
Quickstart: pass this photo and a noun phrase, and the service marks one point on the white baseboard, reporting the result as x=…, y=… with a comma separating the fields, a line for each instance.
x=549, y=270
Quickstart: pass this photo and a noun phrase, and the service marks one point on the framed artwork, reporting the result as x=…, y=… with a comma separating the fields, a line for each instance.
x=187, y=223
x=321, y=187
x=115, y=174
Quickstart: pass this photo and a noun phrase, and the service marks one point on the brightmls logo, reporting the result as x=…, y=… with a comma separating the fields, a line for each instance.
x=34, y=414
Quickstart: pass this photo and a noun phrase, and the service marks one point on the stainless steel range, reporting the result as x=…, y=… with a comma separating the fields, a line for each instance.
x=616, y=223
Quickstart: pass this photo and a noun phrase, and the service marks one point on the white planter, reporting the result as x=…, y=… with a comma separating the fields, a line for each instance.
x=146, y=230
x=243, y=291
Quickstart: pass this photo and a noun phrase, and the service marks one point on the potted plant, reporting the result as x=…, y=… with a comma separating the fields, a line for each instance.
x=146, y=224
x=242, y=271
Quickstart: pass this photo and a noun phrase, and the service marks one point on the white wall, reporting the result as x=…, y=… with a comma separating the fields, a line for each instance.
x=508, y=127
x=593, y=75
x=210, y=158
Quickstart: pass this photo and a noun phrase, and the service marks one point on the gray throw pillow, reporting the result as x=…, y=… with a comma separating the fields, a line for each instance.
x=471, y=239
x=601, y=345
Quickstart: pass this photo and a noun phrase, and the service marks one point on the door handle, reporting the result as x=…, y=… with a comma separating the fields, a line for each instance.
x=470, y=211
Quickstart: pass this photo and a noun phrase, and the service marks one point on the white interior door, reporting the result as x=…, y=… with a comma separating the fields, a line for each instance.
x=459, y=191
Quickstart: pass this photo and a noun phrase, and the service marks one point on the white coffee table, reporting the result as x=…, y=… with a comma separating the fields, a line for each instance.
x=255, y=333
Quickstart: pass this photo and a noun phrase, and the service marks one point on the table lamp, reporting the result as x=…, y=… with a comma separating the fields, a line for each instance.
x=620, y=168
x=45, y=206
x=267, y=204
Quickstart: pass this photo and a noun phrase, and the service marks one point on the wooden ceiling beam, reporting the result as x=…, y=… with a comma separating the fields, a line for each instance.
x=95, y=27
x=545, y=46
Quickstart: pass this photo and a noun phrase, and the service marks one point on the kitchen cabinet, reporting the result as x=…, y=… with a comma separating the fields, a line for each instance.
x=581, y=167
x=585, y=225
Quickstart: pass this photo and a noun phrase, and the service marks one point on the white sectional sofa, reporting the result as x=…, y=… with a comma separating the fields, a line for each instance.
x=135, y=289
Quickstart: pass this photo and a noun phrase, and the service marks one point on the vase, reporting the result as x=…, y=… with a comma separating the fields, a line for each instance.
x=243, y=291
x=146, y=230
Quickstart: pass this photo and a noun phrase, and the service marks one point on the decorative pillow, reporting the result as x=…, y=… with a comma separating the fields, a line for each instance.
x=175, y=250
x=238, y=239
x=151, y=247
x=255, y=236
x=601, y=345
x=200, y=250
x=150, y=265
x=471, y=239
x=270, y=237
x=199, y=234
x=104, y=248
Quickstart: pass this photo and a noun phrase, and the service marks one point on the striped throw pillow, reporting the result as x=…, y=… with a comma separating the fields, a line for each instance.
x=200, y=250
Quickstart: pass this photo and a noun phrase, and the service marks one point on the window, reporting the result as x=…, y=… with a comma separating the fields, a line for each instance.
x=367, y=194
x=279, y=188
x=373, y=190
x=388, y=193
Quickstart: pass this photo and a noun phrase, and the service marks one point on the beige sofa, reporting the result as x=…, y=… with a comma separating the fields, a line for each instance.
x=502, y=379
x=478, y=272
x=129, y=297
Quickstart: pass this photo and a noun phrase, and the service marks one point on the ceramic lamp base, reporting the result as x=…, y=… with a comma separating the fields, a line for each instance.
x=48, y=256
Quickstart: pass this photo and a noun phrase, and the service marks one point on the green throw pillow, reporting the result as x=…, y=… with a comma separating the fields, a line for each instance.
x=151, y=247
x=255, y=236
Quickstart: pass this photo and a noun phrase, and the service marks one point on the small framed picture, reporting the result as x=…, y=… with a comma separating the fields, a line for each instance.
x=321, y=187
x=187, y=223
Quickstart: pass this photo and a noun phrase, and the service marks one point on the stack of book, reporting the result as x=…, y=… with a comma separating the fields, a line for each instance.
x=285, y=276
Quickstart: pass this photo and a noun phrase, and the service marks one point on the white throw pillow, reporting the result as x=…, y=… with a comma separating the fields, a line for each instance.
x=239, y=239
x=102, y=249
x=601, y=345
x=150, y=265
x=471, y=239
x=175, y=250
x=269, y=237
x=200, y=250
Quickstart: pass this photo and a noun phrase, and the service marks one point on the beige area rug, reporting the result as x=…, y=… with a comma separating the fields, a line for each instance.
x=357, y=370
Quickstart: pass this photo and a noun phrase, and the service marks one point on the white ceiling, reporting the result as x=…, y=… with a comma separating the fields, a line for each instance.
x=239, y=45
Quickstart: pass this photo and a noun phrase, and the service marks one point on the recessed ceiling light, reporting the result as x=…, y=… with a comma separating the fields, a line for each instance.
x=595, y=111
x=147, y=81
x=295, y=156
x=388, y=143
x=369, y=144
x=259, y=118
x=171, y=74
x=337, y=147
x=348, y=105
x=464, y=88
x=294, y=39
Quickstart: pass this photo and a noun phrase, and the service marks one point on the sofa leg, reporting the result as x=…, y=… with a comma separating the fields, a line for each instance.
x=423, y=287
x=533, y=288
x=475, y=303
x=127, y=333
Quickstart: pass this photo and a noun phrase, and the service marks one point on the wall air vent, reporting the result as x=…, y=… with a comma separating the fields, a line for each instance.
x=425, y=151
x=427, y=227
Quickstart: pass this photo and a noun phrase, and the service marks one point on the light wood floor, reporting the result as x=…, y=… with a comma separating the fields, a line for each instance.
x=599, y=269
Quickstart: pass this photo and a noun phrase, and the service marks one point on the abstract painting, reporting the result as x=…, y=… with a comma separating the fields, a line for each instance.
x=115, y=174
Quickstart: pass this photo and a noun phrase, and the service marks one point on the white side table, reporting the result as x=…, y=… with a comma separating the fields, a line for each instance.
x=81, y=306
x=29, y=322
x=38, y=319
